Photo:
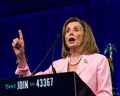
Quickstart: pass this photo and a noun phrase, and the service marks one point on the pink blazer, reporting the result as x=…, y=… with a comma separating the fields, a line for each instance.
x=93, y=69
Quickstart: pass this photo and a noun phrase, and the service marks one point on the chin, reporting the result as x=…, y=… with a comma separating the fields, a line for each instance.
x=72, y=46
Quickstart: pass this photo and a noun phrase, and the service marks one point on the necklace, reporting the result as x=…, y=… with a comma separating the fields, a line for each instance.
x=75, y=62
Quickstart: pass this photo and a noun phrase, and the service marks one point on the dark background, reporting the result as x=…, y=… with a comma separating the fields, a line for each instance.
x=42, y=20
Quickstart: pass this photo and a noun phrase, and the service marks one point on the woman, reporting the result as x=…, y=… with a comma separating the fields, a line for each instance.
x=80, y=54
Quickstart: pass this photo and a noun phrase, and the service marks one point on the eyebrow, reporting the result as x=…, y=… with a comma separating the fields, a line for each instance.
x=77, y=27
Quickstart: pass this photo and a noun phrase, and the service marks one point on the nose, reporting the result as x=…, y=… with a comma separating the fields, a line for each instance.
x=71, y=32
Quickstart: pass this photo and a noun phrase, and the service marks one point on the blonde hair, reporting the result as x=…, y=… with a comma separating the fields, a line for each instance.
x=88, y=45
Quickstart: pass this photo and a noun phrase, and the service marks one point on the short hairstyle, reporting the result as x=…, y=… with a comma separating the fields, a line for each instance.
x=88, y=45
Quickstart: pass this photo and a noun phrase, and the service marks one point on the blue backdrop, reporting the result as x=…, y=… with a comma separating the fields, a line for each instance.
x=41, y=27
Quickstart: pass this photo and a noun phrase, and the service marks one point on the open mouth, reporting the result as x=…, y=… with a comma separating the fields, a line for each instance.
x=71, y=40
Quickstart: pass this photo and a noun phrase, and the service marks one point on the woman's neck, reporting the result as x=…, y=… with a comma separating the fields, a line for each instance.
x=75, y=53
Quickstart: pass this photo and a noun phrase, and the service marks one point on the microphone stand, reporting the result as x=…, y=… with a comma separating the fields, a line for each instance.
x=51, y=48
x=53, y=69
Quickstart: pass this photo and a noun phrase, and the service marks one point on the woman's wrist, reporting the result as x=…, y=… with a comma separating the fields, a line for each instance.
x=22, y=61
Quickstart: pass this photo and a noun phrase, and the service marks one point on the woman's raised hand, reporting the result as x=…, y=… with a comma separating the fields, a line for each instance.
x=19, y=48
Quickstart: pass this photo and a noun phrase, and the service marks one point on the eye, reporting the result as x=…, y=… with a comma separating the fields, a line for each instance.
x=67, y=30
x=76, y=29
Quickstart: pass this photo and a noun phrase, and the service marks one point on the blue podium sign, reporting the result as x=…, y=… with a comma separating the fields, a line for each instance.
x=60, y=84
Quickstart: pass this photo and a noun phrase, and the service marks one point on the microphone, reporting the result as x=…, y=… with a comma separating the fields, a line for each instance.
x=51, y=48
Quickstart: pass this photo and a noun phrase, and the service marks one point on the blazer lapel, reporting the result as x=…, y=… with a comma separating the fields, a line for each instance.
x=65, y=68
x=82, y=65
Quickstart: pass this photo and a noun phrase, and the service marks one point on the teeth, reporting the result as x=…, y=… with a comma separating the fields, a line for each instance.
x=71, y=40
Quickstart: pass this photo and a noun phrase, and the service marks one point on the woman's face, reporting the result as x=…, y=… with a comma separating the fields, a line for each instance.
x=74, y=35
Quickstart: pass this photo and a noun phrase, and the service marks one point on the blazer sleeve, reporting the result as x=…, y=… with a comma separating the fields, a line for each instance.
x=23, y=72
x=104, y=87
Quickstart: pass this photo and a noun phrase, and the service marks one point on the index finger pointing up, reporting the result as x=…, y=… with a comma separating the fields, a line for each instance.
x=20, y=34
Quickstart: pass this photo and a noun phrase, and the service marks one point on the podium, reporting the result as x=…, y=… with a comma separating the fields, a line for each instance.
x=60, y=84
